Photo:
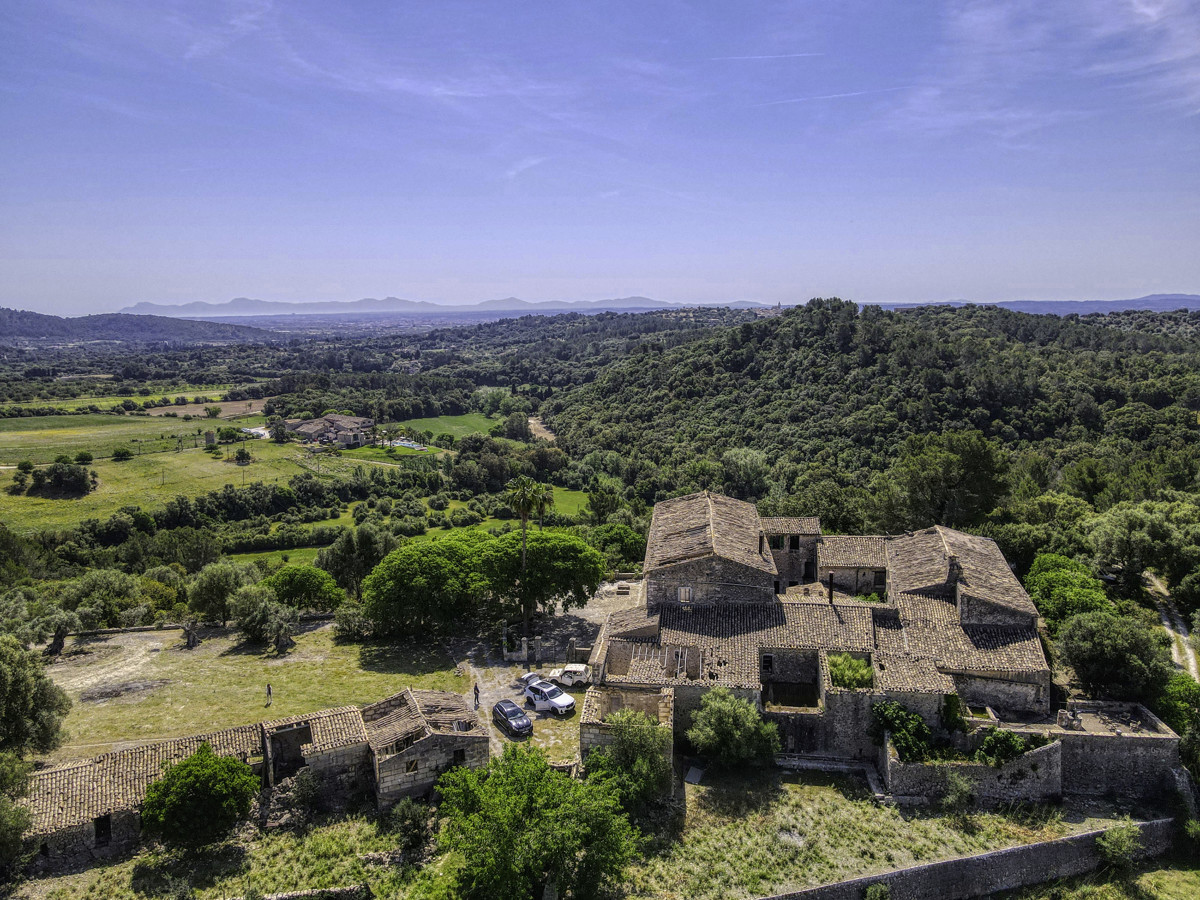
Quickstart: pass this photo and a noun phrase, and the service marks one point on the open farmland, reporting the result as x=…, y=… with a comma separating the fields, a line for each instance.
x=148, y=481
x=41, y=438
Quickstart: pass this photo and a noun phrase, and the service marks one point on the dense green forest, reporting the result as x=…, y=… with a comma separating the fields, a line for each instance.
x=1072, y=441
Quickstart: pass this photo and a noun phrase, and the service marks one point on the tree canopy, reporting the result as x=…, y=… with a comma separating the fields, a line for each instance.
x=520, y=826
x=32, y=707
x=199, y=799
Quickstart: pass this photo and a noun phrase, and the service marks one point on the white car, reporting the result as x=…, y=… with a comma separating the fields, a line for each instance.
x=571, y=675
x=545, y=697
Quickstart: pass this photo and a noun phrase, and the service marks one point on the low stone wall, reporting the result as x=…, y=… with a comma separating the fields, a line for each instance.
x=1034, y=776
x=989, y=873
x=598, y=704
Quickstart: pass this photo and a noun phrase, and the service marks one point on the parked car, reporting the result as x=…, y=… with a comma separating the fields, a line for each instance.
x=571, y=675
x=545, y=697
x=511, y=718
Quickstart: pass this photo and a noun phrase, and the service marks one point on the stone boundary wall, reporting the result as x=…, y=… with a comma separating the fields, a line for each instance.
x=1033, y=776
x=988, y=873
x=350, y=892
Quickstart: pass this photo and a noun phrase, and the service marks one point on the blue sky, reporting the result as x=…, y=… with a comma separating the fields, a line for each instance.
x=455, y=151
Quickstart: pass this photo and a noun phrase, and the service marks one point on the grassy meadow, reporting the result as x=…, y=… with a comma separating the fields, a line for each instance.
x=106, y=402
x=41, y=438
x=468, y=423
x=171, y=691
x=148, y=481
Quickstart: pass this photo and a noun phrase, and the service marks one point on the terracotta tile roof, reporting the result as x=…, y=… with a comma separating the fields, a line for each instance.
x=910, y=674
x=79, y=792
x=702, y=525
x=341, y=726
x=446, y=711
x=791, y=525
x=852, y=551
x=720, y=643
x=416, y=715
x=920, y=563
x=931, y=628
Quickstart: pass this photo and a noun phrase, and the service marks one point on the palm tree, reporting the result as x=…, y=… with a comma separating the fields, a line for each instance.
x=522, y=495
x=543, y=501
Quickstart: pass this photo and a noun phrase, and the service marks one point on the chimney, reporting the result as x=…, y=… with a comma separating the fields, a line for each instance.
x=955, y=571
x=830, y=587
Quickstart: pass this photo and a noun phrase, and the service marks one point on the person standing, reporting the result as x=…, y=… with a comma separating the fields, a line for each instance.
x=477, y=695
x=269, y=697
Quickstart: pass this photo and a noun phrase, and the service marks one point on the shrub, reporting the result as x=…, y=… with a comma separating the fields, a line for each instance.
x=636, y=758
x=1120, y=846
x=84, y=458
x=849, y=672
x=877, y=891
x=731, y=731
x=910, y=735
x=958, y=798
x=199, y=799
x=1000, y=746
x=409, y=821
x=121, y=454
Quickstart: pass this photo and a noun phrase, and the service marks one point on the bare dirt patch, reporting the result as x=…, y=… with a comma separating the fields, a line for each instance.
x=229, y=408
x=539, y=429
x=113, y=691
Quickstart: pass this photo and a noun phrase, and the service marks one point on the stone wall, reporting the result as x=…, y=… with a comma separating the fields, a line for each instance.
x=416, y=770
x=795, y=666
x=1004, y=691
x=796, y=566
x=851, y=580
x=976, y=611
x=599, y=704
x=711, y=579
x=989, y=873
x=346, y=768
x=1035, y=776
x=77, y=846
x=687, y=701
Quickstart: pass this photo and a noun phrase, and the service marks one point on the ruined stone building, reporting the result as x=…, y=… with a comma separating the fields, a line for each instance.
x=758, y=606
x=399, y=746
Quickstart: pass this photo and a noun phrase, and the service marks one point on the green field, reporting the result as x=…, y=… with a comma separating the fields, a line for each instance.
x=149, y=481
x=379, y=454
x=469, y=423
x=222, y=683
x=42, y=438
x=276, y=557
x=212, y=391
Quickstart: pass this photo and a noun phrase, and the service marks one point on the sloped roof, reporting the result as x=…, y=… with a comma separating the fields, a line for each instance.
x=341, y=726
x=791, y=525
x=702, y=525
x=720, y=644
x=79, y=792
x=920, y=563
x=416, y=715
x=852, y=551
x=903, y=672
x=931, y=627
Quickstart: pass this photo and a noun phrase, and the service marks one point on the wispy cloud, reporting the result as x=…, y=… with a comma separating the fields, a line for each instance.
x=1012, y=67
x=524, y=165
x=767, y=56
x=833, y=96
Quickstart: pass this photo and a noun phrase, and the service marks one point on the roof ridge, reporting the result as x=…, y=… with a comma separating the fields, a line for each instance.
x=712, y=513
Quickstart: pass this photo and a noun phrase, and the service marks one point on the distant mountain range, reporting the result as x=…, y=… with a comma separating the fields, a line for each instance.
x=18, y=325
x=245, y=306
x=1151, y=302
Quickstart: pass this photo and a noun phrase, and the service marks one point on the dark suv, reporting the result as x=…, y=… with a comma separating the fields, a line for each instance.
x=512, y=718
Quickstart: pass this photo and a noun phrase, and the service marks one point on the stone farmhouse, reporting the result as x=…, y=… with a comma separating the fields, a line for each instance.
x=397, y=747
x=344, y=431
x=758, y=605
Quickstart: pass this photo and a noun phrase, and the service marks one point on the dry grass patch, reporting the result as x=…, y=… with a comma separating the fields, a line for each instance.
x=222, y=683
x=768, y=833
